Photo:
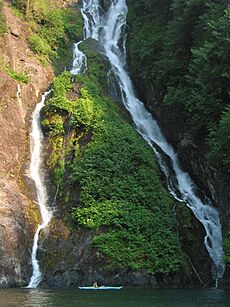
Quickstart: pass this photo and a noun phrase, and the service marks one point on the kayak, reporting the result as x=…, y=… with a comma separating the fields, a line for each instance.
x=100, y=288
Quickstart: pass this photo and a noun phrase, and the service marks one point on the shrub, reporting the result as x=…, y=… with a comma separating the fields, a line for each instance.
x=21, y=77
x=39, y=45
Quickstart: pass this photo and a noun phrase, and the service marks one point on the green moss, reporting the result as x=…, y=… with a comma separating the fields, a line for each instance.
x=33, y=214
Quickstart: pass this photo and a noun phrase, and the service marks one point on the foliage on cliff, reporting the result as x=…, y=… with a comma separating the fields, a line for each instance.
x=3, y=27
x=54, y=27
x=181, y=50
x=18, y=76
x=110, y=177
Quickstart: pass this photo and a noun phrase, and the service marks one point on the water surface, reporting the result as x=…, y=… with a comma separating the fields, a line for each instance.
x=120, y=298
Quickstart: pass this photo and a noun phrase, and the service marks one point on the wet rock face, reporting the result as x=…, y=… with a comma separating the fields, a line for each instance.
x=68, y=260
x=18, y=211
x=71, y=262
x=214, y=182
x=191, y=234
x=15, y=236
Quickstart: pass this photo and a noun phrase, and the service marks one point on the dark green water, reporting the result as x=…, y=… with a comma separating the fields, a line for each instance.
x=120, y=298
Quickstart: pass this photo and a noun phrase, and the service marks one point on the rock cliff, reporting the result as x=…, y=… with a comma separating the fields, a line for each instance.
x=18, y=210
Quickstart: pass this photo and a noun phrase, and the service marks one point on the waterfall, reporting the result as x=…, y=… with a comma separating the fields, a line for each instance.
x=79, y=61
x=35, y=172
x=109, y=29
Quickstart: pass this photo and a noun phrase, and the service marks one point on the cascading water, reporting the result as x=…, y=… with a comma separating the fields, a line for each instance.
x=35, y=172
x=109, y=29
x=79, y=61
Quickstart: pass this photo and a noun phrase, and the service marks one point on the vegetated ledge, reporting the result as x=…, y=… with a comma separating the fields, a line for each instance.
x=114, y=220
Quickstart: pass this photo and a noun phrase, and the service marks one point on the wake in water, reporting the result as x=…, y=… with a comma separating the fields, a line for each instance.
x=109, y=29
x=35, y=172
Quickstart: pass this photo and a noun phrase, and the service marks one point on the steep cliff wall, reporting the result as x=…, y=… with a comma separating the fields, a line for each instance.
x=179, y=61
x=36, y=40
x=18, y=209
x=114, y=220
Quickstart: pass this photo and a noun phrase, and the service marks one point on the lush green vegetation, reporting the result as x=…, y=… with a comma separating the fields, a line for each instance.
x=110, y=179
x=53, y=29
x=181, y=50
x=3, y=27
x=18, y=76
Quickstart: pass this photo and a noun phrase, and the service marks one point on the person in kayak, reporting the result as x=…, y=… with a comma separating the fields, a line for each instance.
x=95, y=285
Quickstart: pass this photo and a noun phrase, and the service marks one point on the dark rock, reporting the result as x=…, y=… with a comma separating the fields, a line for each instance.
x=15, y=33
x=93, y=45
x=226, y=279
x=68, y=260
x=191, y=234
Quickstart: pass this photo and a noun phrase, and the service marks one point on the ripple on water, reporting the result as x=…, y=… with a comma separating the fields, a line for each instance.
x=121, y=298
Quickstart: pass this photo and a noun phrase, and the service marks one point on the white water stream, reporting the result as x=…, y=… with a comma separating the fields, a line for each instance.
x=79, y=61
x=35, y=172
x=109, y=29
